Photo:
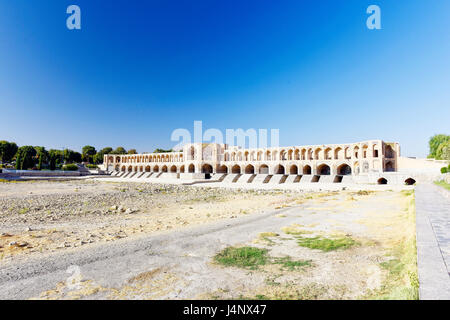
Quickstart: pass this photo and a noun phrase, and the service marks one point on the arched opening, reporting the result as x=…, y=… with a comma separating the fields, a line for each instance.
x=382, y=181
x=344, y=170
x=338, y=153
x=222, y=169
x=182, y=169
x=249, y=169
x=375, y=151
x=236, y=169
x=191, y=168
x=164, y=169
x=117, y=168
x=389, y=152
x=130, y=168
x=293, y=169
x=410, y=181
x=389, y=166
x=347, y=153
x=364, y=150
x=173, y=169
x=318, y=154
x=307, y=169
x=279, y=169
x=207, y=168
x=327, y=154
x=155, y=169
x=123, y=168
x=356, y=152
x=259, y=156
x=147, y=169
x=323, y=170
x=263, y=169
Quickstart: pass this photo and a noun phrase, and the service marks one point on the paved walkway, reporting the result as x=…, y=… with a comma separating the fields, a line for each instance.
x=433, y=242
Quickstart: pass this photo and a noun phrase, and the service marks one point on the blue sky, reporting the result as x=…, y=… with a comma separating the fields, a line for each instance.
x=137, y=70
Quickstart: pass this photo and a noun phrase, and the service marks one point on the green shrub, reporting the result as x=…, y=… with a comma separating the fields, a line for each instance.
x=91, y=166
x=444, y=170
x=70, y=167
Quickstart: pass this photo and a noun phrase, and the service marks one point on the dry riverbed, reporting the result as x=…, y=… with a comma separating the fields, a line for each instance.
x=328, y=245
x=37, y=217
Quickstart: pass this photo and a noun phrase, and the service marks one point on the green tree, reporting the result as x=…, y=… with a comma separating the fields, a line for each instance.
x=71, y=156
x=25, y=157
x=88, y=153
x=132, y=151
x=106, y=150
x=98, y=158
x=7, y=150
x=435, y=142
x=42, y=156
x=119, y=150
x=55, y=157
x=443, y=151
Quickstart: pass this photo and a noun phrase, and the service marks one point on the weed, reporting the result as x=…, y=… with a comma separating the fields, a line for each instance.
x=288, y=263
x=244, y=257
x=326, y=244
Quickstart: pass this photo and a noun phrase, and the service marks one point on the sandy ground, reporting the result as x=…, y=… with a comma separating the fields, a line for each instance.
x=95, y=240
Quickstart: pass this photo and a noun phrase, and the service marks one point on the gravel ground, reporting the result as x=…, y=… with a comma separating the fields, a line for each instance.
x=98, y=240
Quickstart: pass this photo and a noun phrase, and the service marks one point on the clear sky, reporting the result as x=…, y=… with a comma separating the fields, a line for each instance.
x=137, y=70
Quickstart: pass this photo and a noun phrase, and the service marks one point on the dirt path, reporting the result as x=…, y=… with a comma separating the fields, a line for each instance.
x=179, y=264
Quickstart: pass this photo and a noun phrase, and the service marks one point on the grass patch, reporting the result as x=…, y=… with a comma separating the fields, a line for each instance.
x=243, y=257
x=326, y=244
x=252, y=258
x=292, y=265
x=443, y=184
